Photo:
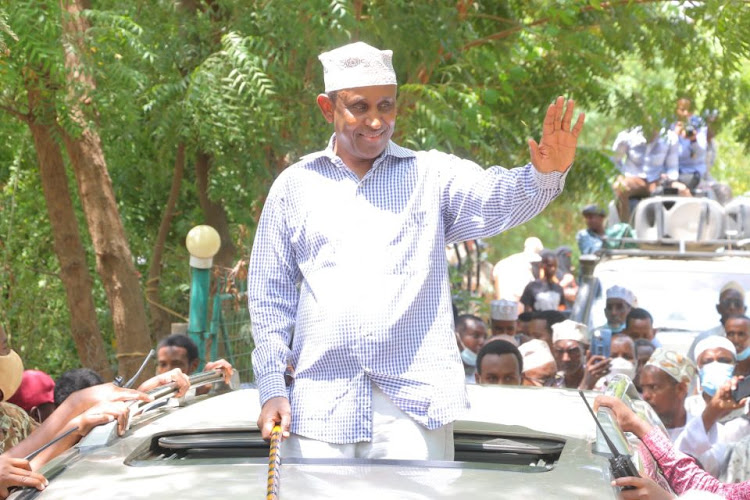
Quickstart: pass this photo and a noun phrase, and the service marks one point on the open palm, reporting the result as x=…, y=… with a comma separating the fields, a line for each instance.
x=557, y=148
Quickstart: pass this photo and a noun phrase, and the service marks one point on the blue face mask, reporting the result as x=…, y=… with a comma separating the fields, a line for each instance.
x=742, y=356
x=714, y=375
x=469, y=357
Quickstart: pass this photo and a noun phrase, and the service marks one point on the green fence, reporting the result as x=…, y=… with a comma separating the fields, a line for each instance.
x=230, y=319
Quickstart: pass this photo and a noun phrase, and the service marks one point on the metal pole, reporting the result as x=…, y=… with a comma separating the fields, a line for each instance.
x=199, y=292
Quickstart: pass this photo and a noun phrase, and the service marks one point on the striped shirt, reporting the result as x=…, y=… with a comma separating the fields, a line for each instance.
x=351, y=273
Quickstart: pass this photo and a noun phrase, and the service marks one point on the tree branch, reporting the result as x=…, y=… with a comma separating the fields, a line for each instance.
x=13, y=111
x=515, y=29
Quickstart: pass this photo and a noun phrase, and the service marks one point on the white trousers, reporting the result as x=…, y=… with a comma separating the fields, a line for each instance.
x=394, y=436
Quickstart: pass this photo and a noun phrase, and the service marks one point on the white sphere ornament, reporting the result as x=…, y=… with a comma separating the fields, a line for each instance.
x=203, y=242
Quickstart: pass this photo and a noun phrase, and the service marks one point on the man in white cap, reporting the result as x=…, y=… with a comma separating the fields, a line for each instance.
x=619, y=302
x=349, y=255
x=503, y=317
x=731, y=302
x=569, y=340
x=693, y=428
x=539, y=367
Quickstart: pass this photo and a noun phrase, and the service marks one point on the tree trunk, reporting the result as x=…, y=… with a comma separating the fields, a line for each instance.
x=74, y=271
x=114, y=262
x=214, y=212
x=159, y=317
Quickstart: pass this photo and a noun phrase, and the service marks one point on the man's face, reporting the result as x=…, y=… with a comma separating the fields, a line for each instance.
x=738, y=332
x=594, y=222
x=549, y=265
x=640, y=328
x=616, y=310
x=661, y=391
x=622, y=347
x=503, y=327
x=473, y=335
x=718, y=354
x=363, y=119
x=171, y=357
x=683, y=109
x=540, y=376
x=499, y=370
x=730, y=303
x=568, y=355
x=538, y=329
x=522, y=327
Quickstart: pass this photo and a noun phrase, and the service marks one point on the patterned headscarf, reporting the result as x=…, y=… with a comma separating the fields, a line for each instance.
x=679, y=367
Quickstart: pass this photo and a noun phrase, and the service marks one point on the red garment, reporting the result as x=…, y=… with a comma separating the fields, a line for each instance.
x=684, y=474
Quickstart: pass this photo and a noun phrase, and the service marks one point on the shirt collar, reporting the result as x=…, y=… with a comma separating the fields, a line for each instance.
x=392, y=149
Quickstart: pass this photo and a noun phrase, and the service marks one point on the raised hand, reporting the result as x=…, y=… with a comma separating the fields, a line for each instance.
x=557, y=148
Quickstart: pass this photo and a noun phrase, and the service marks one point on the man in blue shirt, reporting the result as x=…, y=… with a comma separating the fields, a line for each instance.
x=591, y=239
x=349, y=256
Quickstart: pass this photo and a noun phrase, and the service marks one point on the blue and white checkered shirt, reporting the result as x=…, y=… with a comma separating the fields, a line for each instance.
x=352, y=274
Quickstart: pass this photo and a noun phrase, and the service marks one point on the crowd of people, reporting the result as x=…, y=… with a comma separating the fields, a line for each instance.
x=531, y=342
x=35, y=408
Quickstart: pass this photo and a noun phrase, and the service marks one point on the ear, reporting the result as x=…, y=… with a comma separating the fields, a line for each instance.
x=194, y=365
x=476, y=377
x=326, y=107
x=682, y=390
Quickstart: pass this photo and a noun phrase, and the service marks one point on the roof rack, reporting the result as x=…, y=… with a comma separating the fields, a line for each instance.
x=671, y=247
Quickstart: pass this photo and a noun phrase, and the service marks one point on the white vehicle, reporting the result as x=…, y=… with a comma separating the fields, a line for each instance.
x=675, y=266
x=515, y=442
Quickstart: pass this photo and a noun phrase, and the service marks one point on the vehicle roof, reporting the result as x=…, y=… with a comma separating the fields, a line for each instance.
x=100, y=472
x=675, y=262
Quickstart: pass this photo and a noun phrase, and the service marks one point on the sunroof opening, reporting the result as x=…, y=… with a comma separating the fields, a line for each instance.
x=471, y=450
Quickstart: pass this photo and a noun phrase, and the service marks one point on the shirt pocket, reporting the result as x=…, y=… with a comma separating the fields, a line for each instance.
x=409, y=250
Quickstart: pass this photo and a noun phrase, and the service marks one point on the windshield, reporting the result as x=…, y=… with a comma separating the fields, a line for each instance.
x=679, y=295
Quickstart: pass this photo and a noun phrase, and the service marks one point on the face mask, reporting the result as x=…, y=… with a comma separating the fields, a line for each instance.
x=618, y=328
x=742, y=356
x=622, y=366
x=714, y=375
x=11, y=373
x=469, y=357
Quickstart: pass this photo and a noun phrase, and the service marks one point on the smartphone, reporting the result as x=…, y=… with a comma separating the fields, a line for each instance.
x=743, y=390
x=600, y=341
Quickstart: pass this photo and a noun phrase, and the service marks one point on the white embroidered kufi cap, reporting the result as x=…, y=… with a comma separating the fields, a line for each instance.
x=357, y=65
x=620, y=292
x=535, y=353
x=713, y=342
x=504, y=310
x=570, y=330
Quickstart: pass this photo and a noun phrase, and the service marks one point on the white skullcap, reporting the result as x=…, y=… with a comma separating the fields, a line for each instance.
x=619, y=292
x=357, y=65
x=533, y=247
x=732, y=285
x=504, y=310
x=569, y=330
x=535, y=353
x=713, y=342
